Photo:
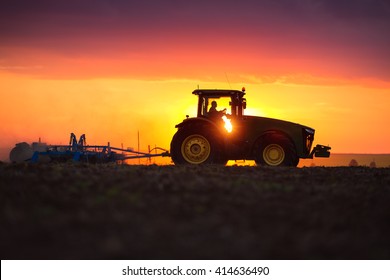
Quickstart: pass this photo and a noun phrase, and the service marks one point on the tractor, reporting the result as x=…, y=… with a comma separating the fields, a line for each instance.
x=217, y=136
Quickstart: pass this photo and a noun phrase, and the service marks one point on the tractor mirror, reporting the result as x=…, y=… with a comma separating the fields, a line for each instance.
x=244, y=104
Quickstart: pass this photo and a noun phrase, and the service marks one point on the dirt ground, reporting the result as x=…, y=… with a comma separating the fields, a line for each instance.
x=80, y=211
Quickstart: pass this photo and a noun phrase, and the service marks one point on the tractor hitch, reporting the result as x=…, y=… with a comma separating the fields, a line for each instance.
x=320, y=151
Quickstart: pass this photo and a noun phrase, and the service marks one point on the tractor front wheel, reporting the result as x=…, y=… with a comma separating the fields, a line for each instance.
x=276, y=150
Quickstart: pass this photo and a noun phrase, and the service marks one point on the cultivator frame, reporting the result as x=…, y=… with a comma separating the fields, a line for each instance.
x=79, y=151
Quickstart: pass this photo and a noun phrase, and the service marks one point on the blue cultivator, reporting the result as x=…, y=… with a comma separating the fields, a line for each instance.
x=78, y=151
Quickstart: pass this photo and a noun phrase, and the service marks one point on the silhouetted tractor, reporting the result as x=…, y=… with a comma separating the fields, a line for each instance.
x=214, y=137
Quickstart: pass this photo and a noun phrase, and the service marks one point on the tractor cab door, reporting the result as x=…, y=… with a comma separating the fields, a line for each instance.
x=238, y=140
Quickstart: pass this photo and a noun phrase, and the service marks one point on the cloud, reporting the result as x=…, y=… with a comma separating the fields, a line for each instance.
x=276, y=38
x=20, y=68
x=358, y=10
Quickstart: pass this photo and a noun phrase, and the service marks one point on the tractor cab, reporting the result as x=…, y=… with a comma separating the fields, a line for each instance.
x=231, y=102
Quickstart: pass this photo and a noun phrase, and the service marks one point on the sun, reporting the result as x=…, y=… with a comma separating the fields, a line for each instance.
x=254, y=112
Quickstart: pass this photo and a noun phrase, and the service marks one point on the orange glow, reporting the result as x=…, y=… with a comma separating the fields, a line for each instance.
x=123, y=67
x=114, y=110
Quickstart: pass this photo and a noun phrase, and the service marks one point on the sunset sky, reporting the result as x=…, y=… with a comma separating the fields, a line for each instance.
x=111, y=68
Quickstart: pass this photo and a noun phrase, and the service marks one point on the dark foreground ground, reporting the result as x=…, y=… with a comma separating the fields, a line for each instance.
x=167, y=212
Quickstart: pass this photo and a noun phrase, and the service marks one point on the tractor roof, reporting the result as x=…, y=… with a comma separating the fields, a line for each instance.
x=218, y=92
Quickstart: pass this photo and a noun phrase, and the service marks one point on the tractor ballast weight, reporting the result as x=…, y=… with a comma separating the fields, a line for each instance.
x=214, y=137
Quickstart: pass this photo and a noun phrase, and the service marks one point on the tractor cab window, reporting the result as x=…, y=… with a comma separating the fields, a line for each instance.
x=211, y=105
x=203, y=106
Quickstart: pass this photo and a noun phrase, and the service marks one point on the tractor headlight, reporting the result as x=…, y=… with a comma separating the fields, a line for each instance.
x=309, y=131
x=308, y=138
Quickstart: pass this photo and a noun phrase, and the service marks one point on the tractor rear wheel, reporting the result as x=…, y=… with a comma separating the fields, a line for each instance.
x=196, y=146
x=276, y=150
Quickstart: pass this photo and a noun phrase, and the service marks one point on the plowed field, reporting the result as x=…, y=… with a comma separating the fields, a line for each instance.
x=80, y=211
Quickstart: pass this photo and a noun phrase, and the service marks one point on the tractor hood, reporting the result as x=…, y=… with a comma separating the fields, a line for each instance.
x=301, y=136
x=276, y=123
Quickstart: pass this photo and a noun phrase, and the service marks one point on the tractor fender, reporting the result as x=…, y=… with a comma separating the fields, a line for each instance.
x=270, y=133
x=202, y=122
x=202, y=125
